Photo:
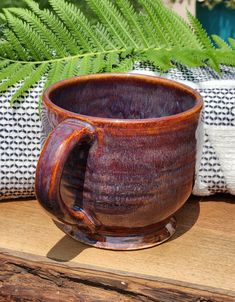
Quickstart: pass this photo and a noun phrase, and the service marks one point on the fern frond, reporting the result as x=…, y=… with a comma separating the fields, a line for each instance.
x=105, y=37
x=160, y=58
x=55, y=73
x=132, y=18
x=220, y=43
x=6, y=50
x=232, y=43
x=148, y=30
x=225, y=57
x=56, y=27
x=20, y=74
x=2, y=17
x=181, y=36
x=213, y=61
x=53, y=44
x=4, y=63
x=64, y=11
x=188, y=57
x=84, y=28
x=98, y=63
x=112, y=61
x=201, y=34
x=114, y=21
x=29, y=81
x=159, y=32
x=9, y=70
x=28, y=37
x=70, y=68
x=164, y=21
x=85, y=65
x=16, y=45
x=125, y=65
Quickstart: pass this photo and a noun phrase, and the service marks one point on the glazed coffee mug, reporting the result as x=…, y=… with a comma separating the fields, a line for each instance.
x=120, y=160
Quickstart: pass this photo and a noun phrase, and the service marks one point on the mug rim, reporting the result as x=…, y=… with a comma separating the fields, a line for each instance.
x=115, y=121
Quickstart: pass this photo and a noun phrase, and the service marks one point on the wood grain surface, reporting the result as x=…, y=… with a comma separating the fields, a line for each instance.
x=199, y=256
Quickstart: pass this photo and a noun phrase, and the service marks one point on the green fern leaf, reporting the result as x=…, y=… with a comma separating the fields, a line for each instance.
x=189, y=57
x=28, y=37
x=65, y=13
x=16, y=45
x=149, y=31
x=105, y=37
x=83, y=25
x=70, y=68
x=112, y=61
x=55, y=73
x=98, y=63
x=160, y=58
x=114, y=21
x=9, y=70
x=126, y=53
x=125, y=65
x=85, y=65
x=181, y=36
x=201, y=34
x=30, y=81
x=213, y=61
x=159, y=31
x=184, y=31
x=2, y=17
x=132, y=18
x=225, y=57
x=220, y=42
x=6, y=50
x=56, y=27
x=4, y=63
x=20, y=74
x=164, y=21
x=232, y=43
x=45, y=35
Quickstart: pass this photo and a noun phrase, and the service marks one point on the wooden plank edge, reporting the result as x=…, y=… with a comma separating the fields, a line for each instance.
x=76, y=265
x=27, y=280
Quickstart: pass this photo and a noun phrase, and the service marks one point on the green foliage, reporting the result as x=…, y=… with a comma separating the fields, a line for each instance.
x=61, y=41
x=200, y=33
x=220, y=42
x=232, y=43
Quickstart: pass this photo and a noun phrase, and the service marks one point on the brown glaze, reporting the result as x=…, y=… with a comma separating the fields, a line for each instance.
x=120, y=161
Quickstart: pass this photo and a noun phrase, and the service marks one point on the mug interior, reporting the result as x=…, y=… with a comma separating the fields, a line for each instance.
x=122, y=97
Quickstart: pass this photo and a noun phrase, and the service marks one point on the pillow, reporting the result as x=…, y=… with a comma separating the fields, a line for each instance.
x=215, y=167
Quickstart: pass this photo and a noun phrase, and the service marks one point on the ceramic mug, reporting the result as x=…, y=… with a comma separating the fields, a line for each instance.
x=120, y=160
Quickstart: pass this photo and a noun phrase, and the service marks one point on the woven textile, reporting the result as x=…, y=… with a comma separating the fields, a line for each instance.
x=20, y=132
x=21, y=135
x=215, y=168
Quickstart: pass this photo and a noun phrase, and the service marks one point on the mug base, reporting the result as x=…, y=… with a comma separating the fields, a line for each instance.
x=122, y=243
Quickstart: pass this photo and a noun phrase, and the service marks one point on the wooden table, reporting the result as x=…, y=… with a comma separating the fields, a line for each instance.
x=40, y=263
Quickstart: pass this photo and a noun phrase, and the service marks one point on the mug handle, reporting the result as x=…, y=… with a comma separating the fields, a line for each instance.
x=55, y=152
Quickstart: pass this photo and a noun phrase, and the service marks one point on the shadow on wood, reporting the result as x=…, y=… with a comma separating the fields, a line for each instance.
x=186, y=217
x=66, y=249
x=220, y=198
